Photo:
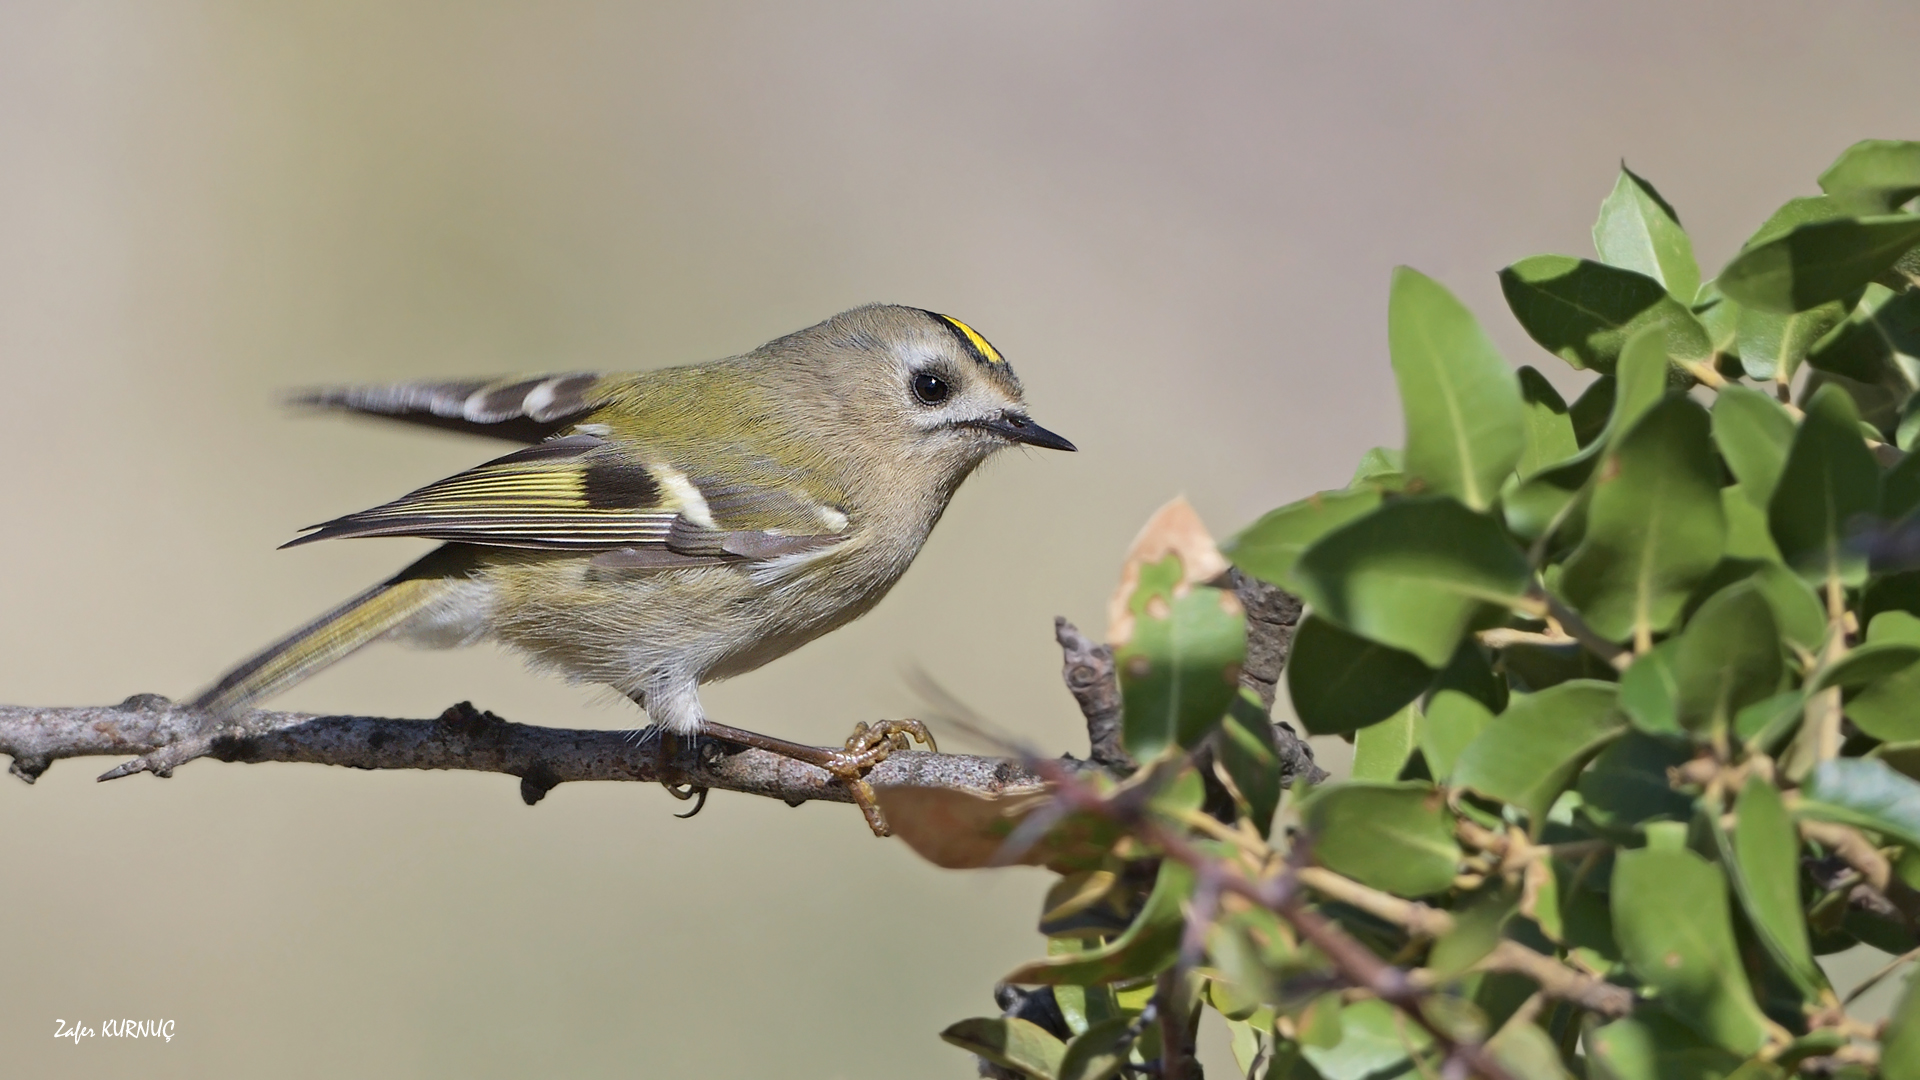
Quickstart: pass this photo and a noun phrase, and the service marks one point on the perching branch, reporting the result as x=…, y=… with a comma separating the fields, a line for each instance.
x=466, y=738
x=159, y=736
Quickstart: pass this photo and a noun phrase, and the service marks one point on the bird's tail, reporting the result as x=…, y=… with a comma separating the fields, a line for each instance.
x=332, y=636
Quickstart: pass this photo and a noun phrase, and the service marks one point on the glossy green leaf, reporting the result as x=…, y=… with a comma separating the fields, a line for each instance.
x=1627, y=785
x=1720, y=317
x=1865, y=792
x=1638, y=231
x=1591, y=411
x=1671, y=918
x=1533, y=505
x=1654, y=525
x=1528, y=1051
x=1766, y=864
x=1747, y=534
x=1181, y=669
x=1098, y=1053
x=1650, y=691
x=1795, y=212
x=1584, y=312
x=1829, y=478
x=1269, y=547
x=1773, y=345
x=1465, y=428
x=1340, y=682
x=1797, y=611
x=1549, y=426
x=1477, y=925
x=1529, y=754
x=1900, y=1050
x=1728, y=658
x=1381, y=467
x=1869, y=664
x=1396, y=837
x=1900, y=489
x=1011, y=1043
x=1245, y=751
x=1818, y=262
x=1651, y=1046
x=1144, y=948
x=1882, y=331
x=1381, y=750
x=1753, y=433
x=1373, y=1044
x=1453, y=720
x=1874, y=176
x=1642, y=379
x=1413, y=574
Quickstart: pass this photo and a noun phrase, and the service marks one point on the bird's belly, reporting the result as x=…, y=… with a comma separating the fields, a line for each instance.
x=628, y=629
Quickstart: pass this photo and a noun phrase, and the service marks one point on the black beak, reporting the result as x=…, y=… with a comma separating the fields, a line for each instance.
x=1016, y=428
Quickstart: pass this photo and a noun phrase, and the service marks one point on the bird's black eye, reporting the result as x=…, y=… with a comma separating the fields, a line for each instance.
x=930, y=389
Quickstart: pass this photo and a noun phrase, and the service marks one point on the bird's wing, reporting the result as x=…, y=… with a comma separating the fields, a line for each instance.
x=584, y=493
x=521, y=408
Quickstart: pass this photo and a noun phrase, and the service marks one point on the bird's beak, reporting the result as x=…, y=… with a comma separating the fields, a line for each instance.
x=1016, y=428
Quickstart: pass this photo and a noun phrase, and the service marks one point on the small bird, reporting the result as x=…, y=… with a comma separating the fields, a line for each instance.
x=674, y=527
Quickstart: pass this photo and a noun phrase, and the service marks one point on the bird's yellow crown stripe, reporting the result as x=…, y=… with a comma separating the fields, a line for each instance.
x=972, y=337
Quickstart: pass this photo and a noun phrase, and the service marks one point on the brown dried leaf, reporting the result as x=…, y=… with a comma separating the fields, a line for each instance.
x=1174, y=529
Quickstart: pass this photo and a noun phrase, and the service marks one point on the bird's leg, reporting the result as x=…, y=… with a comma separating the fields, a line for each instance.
x=868, y=746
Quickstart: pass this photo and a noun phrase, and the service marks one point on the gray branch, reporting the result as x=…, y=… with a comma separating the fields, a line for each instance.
x=466, y=738
x=159, y=735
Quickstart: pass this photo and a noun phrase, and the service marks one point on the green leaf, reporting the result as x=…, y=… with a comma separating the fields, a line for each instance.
x=1453, y=720
x=1465, y=428
x=1654, y=526
x=1381, y=467
x=1773, y=344
x=1246, y=752
x=1381, y=750
x=1900, y=1050
x=1651, y=1046
x=1900, y=489
x=1766, y=865
x=1591, y=411
x=1340, y=682
x=1801, y=617
x=1528, y=755
x=1396, y=837
x=1627, y=786
x=1181, y=669
x=1747, y=534
x=1373, y=1044
x=1650, y=690
x=1754, y=434
x=1527, y=1050
x=1728, y=658
x=1096, y=1053
x=1670, y=916
x=1880, y=335
x=1865, y=792
x=1584, y=312
x=1269, y=547
x=1874, y=176
x=1829, y=477
x=1818, y=262
x=1868, y=664
x=1477, y=925
x=1010, y=1043
x=1414, y=574
x=1549, y=426
x=1795, y=212
x=1145, y=948
x=1638, y=231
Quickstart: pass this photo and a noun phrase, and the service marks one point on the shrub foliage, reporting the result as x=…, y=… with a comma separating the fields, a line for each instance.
x=1633, y=683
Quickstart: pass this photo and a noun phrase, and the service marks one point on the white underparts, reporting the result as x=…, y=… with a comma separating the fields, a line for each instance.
x=461, y=615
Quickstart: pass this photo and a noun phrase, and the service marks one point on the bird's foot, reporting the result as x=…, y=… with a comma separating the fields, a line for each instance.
x=869, y=745
x=671, y=776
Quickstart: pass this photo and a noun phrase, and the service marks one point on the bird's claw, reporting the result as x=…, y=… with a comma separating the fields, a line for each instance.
x=869, y=745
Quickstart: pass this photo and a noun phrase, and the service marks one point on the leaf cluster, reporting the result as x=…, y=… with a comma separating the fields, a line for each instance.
x=1633, y=684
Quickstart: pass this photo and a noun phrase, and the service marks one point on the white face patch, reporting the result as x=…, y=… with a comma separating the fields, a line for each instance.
x=686, y=495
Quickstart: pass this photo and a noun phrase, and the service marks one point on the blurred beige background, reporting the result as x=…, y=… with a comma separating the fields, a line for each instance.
x=1177, y=220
